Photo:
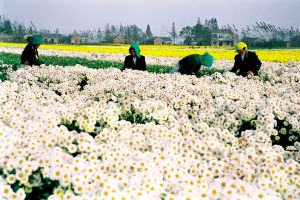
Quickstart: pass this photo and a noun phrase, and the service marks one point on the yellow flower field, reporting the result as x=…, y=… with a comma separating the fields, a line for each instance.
x=282, y=55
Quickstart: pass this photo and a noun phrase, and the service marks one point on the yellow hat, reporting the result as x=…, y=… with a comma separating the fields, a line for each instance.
x=240, y=46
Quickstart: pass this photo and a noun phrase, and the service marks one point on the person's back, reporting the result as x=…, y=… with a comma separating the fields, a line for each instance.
x=191, y=64
x=28, y=56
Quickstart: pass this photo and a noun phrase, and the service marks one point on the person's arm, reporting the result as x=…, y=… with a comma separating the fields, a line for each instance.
x=256, y=64
x=126, y=63
x=197, y=70
x=143, y=63
x=182, y=69
x=29, y=55
x=37, y=61
x=236, y=66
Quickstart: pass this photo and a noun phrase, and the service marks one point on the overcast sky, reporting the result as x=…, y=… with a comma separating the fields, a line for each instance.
x=67, y=15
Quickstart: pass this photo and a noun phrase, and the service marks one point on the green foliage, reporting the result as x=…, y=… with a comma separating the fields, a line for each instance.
x=159, y=69
x=72, y=61
x=40, y=192
x=199, y=34
x=186, y=34
x=70, y=126
x=136, y=117
x=287, y=136
x=267, y=35
x=265, y=44
x=209, y=71
x=74, y=126
x=7, y=27
x=8, y=59
x=148, y=32
x=14, y=59
x=246, y=125
x=173, y=33
x=43, y=191
x=3, y=74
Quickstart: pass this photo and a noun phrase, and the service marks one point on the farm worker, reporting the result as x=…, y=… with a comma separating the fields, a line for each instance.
x=245, y=61
x=30, y=54
x=191, y=64
x=135, y=60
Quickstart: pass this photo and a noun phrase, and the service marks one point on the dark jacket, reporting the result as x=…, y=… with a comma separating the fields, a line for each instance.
x=250, y=63
x=190, y=64
x=140, y=63
x=30, y=56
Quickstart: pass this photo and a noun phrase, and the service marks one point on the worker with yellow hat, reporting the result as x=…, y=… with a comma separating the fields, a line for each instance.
x=245, y=61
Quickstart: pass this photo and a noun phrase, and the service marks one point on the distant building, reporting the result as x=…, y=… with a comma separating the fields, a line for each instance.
x=119, y=40
x=160, y=41
x=75, y=40
x=52, y=38
x=223, y=37
x=123, y=40
x=6, y=38
x=250, y=41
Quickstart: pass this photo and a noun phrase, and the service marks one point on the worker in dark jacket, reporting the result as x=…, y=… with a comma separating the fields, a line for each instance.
x=135, y=60
x=246, y=62
x=191, y=64
x=30, y=55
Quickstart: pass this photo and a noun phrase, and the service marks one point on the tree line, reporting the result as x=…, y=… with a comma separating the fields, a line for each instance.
x=260, y=34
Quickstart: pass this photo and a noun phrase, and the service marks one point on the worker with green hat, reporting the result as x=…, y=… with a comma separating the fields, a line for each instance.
x=245, y=61
x=135, y=60
x=191, y=64
x=30, y=54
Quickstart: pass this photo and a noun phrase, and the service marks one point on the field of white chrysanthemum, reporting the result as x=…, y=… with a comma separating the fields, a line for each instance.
x=139, y=135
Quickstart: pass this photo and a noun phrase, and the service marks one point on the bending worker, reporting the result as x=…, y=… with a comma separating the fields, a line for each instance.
x=191, y=64
x=30, y=55
x=135, y=60
x=245, y=61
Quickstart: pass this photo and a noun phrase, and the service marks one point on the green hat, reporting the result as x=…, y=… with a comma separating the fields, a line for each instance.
x=206, y=59
x=34, y=40
x=136, y=48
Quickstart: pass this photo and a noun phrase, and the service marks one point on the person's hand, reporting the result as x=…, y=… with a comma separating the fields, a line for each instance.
x=249, y=73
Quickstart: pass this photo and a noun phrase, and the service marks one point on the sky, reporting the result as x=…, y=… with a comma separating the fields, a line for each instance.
x=68, y=15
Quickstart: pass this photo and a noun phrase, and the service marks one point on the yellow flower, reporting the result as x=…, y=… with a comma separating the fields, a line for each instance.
x=219, y=53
